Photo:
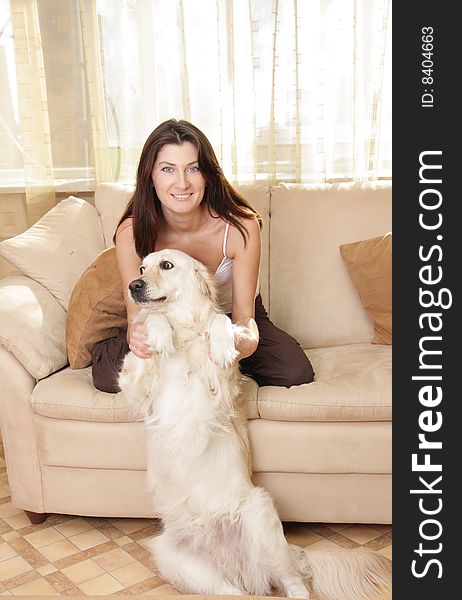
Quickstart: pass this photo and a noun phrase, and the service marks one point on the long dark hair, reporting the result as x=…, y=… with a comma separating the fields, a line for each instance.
x=219, y=196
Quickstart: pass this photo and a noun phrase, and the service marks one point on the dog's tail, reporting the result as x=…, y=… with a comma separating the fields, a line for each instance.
x=344, y=574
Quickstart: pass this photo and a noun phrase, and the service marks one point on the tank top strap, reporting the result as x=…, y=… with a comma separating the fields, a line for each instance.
x=225, y=239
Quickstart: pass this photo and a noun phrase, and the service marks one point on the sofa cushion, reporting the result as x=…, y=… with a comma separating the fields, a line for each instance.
x=352, y=383
x=58, y=248
x=369, y=266
x=258, y=196
x=312, y=296
x=70, y=394
x=329, y=447
x=32, y=325
x=111, y=199
x=96, y=309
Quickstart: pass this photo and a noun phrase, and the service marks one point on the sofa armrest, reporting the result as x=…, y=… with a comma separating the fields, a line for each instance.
x=18, y=434
x=32, y=326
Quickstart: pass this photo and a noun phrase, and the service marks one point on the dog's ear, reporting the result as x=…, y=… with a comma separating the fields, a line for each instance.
x=204, y=281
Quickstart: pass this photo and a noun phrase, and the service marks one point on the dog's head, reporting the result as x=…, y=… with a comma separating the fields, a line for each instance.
x=169, y=276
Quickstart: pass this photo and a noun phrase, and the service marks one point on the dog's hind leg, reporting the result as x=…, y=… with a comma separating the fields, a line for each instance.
x=269, y=558
x=187, y=570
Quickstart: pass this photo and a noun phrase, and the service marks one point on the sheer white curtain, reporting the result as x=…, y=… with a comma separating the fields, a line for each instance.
x=286, y=90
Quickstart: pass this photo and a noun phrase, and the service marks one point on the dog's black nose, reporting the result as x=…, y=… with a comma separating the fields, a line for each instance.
x=137, y=285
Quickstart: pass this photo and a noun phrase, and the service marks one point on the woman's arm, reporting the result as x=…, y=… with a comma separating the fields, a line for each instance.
x=129, y=263
x=246, y=266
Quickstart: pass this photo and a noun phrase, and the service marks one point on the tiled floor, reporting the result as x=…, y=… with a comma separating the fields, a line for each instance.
x=71, y=555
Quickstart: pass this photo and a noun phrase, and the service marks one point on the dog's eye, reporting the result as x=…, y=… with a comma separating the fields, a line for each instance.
x=142, y=270
x=166, y=265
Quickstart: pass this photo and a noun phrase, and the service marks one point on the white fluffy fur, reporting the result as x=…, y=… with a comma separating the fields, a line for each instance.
x=221, y=534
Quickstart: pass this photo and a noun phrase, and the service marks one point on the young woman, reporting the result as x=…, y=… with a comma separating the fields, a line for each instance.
x=182, y=200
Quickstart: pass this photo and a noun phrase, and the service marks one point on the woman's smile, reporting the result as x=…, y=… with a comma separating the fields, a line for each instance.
x=182, y=196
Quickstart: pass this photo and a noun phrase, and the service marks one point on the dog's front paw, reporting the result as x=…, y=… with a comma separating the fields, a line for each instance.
x=130, y=376
x=221, y=339
x=159, y=334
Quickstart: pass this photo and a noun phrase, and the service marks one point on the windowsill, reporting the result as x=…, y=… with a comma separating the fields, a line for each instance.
x=60, y=185
x=89, y=184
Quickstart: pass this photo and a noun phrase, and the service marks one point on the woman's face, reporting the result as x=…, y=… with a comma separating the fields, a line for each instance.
x=178, y=182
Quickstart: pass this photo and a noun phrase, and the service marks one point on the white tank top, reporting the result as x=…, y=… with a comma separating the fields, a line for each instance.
x=223, y=278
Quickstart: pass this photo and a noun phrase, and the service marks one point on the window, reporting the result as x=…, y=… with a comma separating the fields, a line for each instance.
x=294, y=90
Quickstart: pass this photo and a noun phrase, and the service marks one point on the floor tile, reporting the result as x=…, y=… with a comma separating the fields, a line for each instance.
x=88, y=539
x=337, y=526
x=11, y=535
x=110, y=531
x=382, y=528
x=29, y=553
x=145, y=585
x=128, y=526
x=8, y=509
x=324, y=544
x=59, y=550
x=39, y=587
x=145, y=542
x=131, y=574
x=114, y=560
x=378, y=543
x=61, y=583
x=83, y=571
x=163, y=590
x=12, y=567
x=101, y=586
x=73, y=527
x=47, y=569
x=43, y=537
x=6, y=551
x=123, y=541
x=302, y=536
x=5, y=528
x=17, y=521
x=361, y=533
x=386, y=552
x=342, y=541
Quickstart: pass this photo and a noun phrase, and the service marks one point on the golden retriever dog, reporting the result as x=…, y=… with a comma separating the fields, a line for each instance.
x=221, y=534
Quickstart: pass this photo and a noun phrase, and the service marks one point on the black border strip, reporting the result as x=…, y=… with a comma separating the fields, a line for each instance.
x=426, y=124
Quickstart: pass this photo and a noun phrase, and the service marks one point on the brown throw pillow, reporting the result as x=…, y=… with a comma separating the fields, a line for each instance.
x=96, y=309
x=369, y=266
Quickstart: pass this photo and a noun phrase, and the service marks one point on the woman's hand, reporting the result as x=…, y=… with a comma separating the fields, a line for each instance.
x=244, y=334
x=246, y=337
x=137, y=341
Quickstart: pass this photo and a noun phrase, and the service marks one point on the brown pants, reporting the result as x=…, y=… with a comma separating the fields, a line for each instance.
x=278, y=359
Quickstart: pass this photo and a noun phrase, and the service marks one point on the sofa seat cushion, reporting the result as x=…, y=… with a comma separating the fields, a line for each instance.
x=352, y=383
x=70, y=394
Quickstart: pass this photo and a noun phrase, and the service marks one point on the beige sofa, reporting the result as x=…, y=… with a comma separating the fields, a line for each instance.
x=323, y=450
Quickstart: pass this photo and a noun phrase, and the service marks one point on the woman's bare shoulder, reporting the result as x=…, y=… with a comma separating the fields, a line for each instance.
x=236, y=243
x=250, y=224
x=124, y=232
x=128, y=222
